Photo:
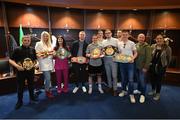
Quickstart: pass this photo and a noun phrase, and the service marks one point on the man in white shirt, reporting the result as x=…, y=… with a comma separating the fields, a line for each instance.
x=110, y=48
x=127, y=49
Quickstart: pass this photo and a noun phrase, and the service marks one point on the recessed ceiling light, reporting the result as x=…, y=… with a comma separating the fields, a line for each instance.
x=28, y=4
x=135, y=9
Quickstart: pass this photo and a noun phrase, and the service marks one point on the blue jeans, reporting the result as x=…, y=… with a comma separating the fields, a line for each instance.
x=47, y=79
x=141, y=80
x=127, y=74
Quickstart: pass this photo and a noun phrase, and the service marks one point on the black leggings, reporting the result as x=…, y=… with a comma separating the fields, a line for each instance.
x=156, y=79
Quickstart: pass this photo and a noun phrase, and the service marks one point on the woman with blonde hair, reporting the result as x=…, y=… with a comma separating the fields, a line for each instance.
x=44, y=51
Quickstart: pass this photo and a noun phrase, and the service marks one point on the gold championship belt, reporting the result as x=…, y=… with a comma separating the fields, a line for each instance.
x=62, y=53
x=122, y=58
x=45, y=53
x=110, y=50
x=95, y=53
x=27, y=64
x=80, y=60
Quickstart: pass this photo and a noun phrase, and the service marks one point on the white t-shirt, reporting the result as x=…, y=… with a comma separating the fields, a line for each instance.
x=126, y=48
x=45, y=64
x=112, y=41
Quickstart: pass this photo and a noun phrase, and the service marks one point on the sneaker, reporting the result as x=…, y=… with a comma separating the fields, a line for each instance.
x=18, y=105
x=132, y=99
x=123, y=93
x=137, y=92
x=33, y=101
x=156, y=97
x=84, y=89
x=100, y=90
x=142, y=99
x=115, y=93
x=109, y=90
x=65, y=90
x=75, y=89
x=49, y=94
x=119, y=84
x=90, y=90
x=152, y=93
x=59, y=91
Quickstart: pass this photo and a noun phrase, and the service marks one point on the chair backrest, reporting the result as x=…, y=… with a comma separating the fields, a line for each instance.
x=173, y=63
x=4, y=65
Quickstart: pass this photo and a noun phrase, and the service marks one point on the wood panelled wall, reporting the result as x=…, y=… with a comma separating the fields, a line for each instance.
x=166, y=19
x=100, y=20
x=63, y=19
x=133, y=20
x=75, y=20
x=1, y=18
x=36, y=17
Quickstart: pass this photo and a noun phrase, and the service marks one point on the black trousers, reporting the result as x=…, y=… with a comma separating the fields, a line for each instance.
x=21, y=77
x=80, y=73
x=156, y=78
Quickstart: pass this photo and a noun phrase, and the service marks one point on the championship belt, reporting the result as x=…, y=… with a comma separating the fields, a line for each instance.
x=110, y=50
x=80, y=60
x=27, y=64
x=62, y=53
x=95, y=53
x=45, y=53
x=122, y=58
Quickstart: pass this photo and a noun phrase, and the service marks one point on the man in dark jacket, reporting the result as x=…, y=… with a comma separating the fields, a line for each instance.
x=79, y=61
x=24, y=60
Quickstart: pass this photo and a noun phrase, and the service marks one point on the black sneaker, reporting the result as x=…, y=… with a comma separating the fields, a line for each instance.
x=34, y=101
x=18, y=105
x=109, y=90
x=115, y=93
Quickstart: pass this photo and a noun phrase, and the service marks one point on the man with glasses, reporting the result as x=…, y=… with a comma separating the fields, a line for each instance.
x=110, y=48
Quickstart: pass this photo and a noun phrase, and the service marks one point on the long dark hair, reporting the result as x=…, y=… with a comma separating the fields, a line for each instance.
x=63, y=44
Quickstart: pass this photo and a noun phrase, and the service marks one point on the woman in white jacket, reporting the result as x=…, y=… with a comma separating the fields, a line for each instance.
x=44, y=51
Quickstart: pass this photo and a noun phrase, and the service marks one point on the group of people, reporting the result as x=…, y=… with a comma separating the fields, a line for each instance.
x=117, y=56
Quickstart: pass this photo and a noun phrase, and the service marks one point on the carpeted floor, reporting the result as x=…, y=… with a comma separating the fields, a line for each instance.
x=95, y=106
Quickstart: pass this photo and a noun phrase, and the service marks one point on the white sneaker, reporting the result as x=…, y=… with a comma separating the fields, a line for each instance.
x=142, y=99
x=152, y=93
x=122, y=94
x=132, y=99
x=137, y=92
x=84, y=89
x=119, y=84
x=100, y=90
x=156, y=97
x=62, y=85
x=75, y=89
x=90, y=90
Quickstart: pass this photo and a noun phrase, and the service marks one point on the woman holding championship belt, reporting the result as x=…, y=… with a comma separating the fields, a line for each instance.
x=45, y=53
x=24, y=60
x=94, y=52
x=61, y=64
